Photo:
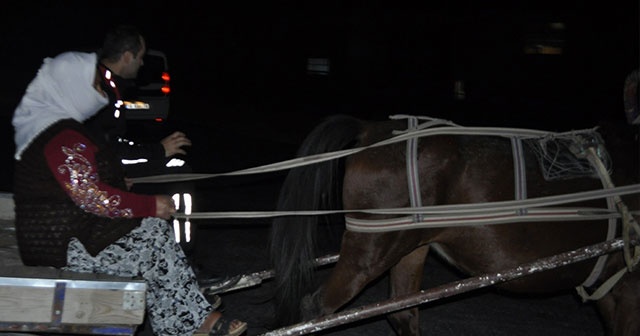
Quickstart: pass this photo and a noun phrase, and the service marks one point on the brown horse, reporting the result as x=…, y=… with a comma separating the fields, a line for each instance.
x=451, y=169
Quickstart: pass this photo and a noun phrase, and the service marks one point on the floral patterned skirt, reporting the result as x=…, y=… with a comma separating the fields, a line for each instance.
x=175, y=305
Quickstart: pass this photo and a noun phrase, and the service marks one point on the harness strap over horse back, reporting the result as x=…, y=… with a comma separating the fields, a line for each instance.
x=413, y=175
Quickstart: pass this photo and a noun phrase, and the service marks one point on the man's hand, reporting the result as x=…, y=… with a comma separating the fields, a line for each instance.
x=164, y=207
x=173, y=143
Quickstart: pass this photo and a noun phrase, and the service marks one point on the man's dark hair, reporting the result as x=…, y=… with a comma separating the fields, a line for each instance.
x=118, y=40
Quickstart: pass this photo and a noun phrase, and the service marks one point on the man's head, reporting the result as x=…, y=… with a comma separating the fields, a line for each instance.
x=123, y=50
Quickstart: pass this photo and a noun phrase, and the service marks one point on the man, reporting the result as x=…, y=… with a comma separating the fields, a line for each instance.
x=120, y=58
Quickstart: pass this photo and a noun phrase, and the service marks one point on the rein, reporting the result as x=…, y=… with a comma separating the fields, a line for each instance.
x=432, y=210
x=316, y=158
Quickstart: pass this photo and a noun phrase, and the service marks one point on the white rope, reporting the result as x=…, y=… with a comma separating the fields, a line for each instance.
x=603, y=173
x=413, y=175
x=316, y=158
x=519, y=170
x=476, y=208
x=471, y=219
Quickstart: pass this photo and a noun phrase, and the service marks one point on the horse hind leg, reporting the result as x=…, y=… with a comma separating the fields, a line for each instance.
x=362, y=260
x=343, y=284
x=620, y=308
x=406, y=278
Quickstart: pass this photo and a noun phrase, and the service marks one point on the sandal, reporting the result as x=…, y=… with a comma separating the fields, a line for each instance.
x=222, y=327
x=215, y=301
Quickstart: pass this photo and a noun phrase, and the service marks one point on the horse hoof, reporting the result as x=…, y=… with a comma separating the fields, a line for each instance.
x=309, y=306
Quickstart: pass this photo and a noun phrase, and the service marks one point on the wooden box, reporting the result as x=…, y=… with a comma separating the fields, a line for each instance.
x=44, y=299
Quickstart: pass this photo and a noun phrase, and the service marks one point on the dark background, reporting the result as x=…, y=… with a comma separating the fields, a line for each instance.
x=241, y=92
x=240, y=66
x=385, y=59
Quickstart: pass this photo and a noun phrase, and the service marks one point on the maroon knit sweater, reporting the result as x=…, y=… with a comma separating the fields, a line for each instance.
x=47, y=218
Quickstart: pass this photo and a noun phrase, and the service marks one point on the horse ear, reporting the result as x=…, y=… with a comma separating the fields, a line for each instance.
x=632, y=98
x=616, y=133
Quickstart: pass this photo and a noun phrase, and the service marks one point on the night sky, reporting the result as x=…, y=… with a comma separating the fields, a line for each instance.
x=239, y=68
x=385, y=59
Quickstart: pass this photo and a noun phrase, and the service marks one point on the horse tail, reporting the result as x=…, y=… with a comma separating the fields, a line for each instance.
x=310, y=187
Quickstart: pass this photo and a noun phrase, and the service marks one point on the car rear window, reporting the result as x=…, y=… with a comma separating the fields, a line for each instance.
x=149, y=80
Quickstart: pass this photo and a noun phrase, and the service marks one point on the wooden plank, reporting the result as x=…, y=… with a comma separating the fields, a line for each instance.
x=45, y=299
x=42, y=272
x=66, y=329
x=90, y=306
x=25, y=304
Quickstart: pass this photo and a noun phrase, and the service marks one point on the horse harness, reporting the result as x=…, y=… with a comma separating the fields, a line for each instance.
x=586, y=146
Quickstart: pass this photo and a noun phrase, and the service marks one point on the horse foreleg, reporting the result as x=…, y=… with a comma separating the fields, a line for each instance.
x=406, y=278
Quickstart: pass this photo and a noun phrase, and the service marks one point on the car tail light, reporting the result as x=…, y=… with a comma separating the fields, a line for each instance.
x=166, y=89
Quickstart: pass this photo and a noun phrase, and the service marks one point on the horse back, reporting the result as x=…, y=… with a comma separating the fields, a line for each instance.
x=469, y=169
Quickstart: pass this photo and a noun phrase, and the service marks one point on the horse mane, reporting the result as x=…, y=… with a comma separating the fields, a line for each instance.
x=309, y=187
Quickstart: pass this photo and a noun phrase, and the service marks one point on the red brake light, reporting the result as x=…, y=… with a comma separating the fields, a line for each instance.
x=166, y=78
